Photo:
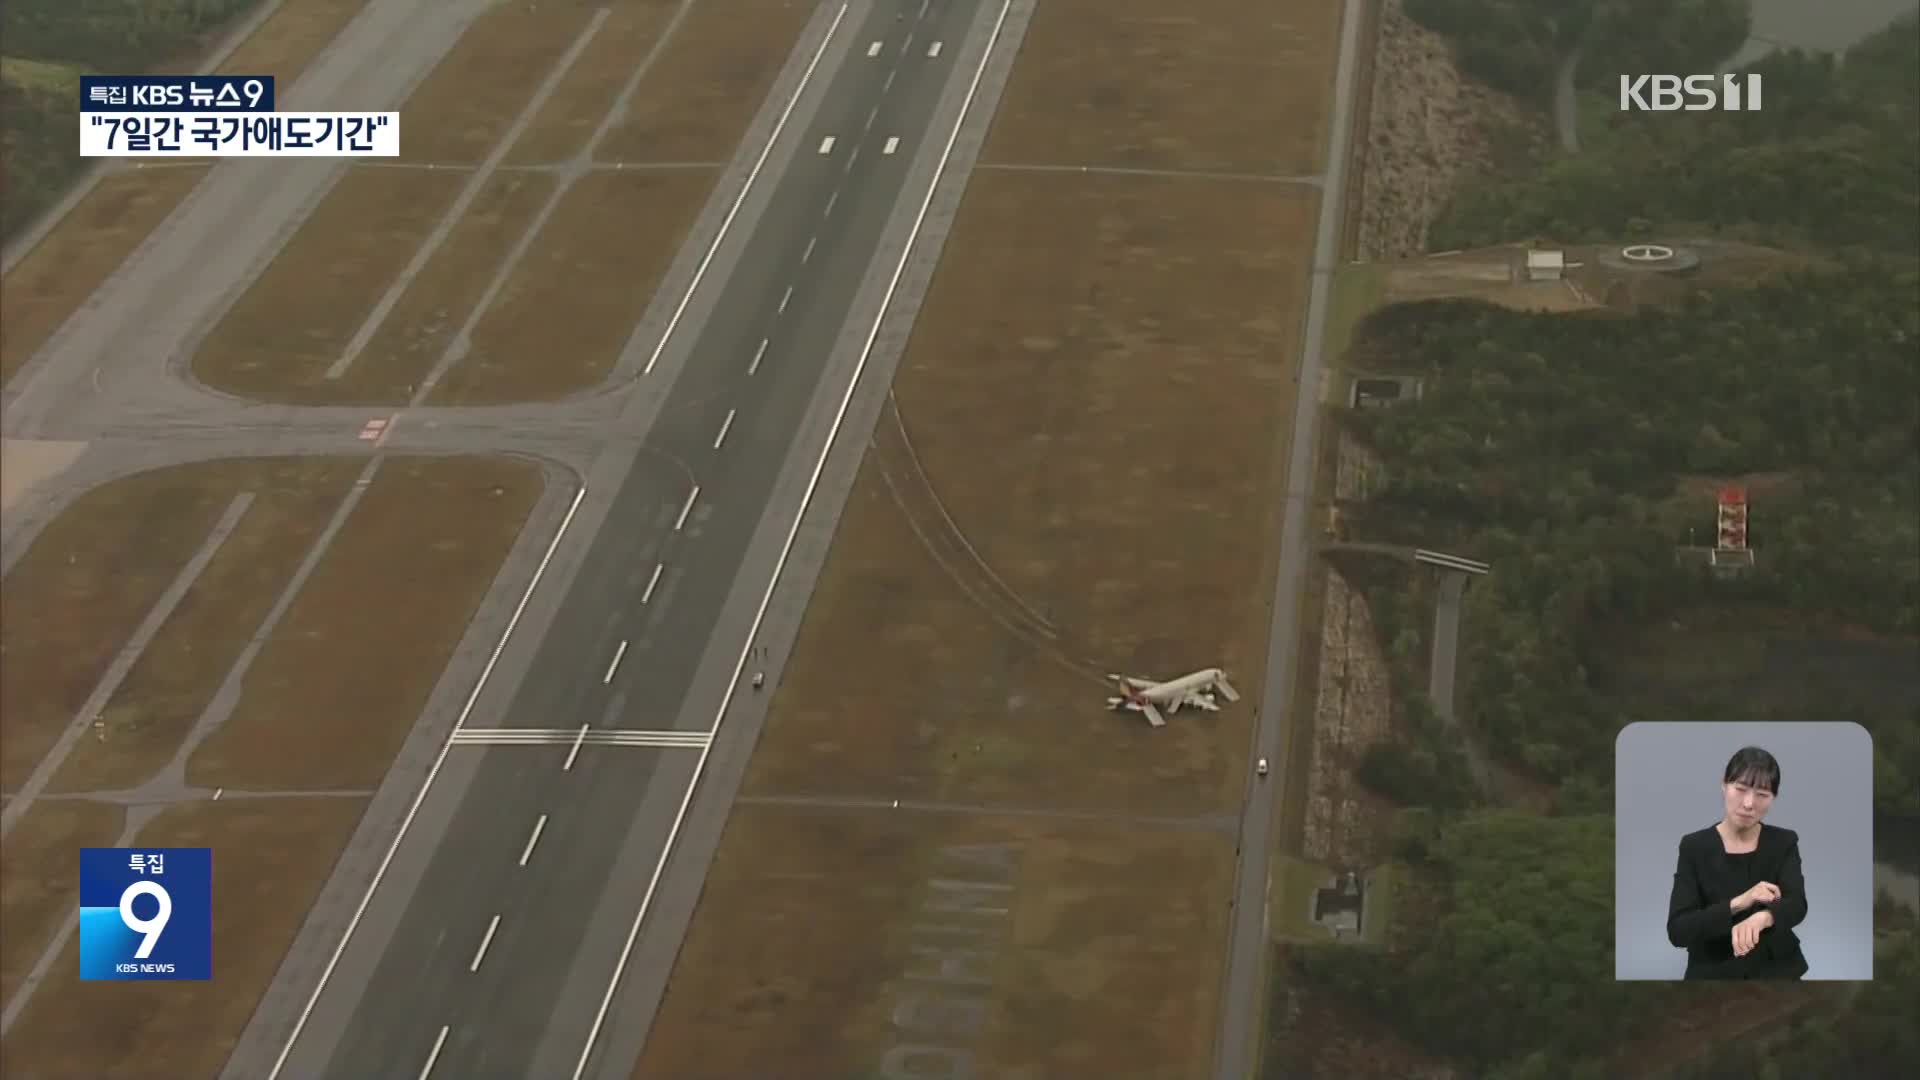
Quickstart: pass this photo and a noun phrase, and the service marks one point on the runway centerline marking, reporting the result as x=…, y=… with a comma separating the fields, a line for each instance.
x=831, y=199
x=808, y=254
x=757, y=354
x=786, y=297
x=421, y=796
x=893, y=143
x=786, y=550
x=615, y=666
x=873, y=49
x=871, y=113
x=725, y=426
x=687, y=509
x=653, y=581
x=826, y=145
x=575, y=752
x=888, y=85
x=933, y=50
x=481, y=953
x=734, y=211
x=435, y=1054
x=527, y=852
x=853, y=156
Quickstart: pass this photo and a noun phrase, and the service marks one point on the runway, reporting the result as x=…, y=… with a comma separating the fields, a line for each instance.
x=539, y=846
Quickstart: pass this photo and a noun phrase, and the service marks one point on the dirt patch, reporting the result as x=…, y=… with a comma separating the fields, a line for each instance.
x=270, y=858
x=296, y=319
x=558, y=325
x=1353, y=711
x=696, y=102
x=40, y=878
x=123, y=209
x=1096, y=948
x=1138, y=84
x=477, y=91
x=26, y=463
x=1128, y=504
x=176, y=676
x=333, y=693
x=581, y=100
x=415, y=334
x=79, y=254
x=78, y=593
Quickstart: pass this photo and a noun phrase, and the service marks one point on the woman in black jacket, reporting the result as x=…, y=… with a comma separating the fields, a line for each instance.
x=1738, y=890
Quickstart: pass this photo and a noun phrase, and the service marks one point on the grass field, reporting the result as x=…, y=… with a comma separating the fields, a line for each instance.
x=1207, y=85
x=584, y=95
x=38, y=883
x=271, y=857
x=1056, y=915
x=77, y=255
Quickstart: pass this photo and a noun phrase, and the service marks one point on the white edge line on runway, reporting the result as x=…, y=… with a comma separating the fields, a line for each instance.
x=793, y=532
x=725, y=426
x=733, y=211
x=687, y=509
x=615, y=666
x=334, y=961
x=435, y=1054
x=481, y=953
x=652, y=581
x=527, y=853
x=757, y=354
x=575, y=752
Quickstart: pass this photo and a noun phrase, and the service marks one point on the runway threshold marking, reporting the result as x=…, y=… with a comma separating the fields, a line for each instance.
x=734, y=211
x=421, y=796
x=527, y=852
x=687, y=509
x=725, y=426
x=434, y=1055
x=786, y=549
x=615, y=666
x=652, y=581
x=481, y=953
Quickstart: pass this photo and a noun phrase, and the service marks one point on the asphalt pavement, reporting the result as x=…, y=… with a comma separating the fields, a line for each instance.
x=541, y=841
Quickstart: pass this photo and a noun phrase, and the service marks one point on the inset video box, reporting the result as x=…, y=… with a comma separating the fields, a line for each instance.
x=201, y=116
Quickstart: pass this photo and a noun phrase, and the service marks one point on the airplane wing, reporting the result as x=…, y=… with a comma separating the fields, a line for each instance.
x=1226, y=690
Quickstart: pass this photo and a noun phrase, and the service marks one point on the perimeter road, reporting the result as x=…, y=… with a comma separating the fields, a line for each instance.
x=1235, y=1051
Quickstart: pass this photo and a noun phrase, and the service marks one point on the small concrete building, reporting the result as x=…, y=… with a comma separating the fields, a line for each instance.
x=1546, y=265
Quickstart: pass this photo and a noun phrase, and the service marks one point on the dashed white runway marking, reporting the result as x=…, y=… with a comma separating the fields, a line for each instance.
x=481, y=953
x=893, y=143
x=871, y=113
x=785, y=297
x=435, y=1055
x=808, y=254
x=826, y=145
x=831, y=200
x=651, y=582
x=888, y=85
x=687, y=509
x=757, y=354
x=725, y=425
x=575, y=752
x=527, y=853
x=615, y=666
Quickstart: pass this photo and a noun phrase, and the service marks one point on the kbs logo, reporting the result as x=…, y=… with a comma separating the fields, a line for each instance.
x=146, y=913
x=1665, y=93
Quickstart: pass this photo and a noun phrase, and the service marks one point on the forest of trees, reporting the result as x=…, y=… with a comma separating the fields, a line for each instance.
x=1575, y=453
x=50, y=43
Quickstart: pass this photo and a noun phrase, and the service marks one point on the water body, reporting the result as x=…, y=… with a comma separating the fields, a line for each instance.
x=1825, y=25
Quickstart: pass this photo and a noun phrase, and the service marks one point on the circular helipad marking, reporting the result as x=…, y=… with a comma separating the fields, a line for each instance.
x=1646, y=252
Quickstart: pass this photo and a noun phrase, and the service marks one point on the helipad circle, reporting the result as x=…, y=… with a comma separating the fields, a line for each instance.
x=1645, y=253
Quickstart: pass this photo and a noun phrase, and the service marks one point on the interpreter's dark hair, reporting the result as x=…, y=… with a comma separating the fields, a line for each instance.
x=1754, y=767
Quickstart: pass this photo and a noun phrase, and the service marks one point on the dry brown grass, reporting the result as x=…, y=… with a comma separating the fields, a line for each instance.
x=696, y=102
x=39, y=878
x=477, y=91
x=1207, y=84
x=1130, y=499
x=80, y=253
x=431, y=311
x=176, y=676
x=562, y=126
x=332, y=695
x=558, y=325
x=798, y=954
x=270, y=858
x=78, y=593
x=300, y=314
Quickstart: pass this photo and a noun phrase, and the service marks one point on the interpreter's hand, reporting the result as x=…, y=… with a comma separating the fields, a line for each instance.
x=1747, y=934
x=1765, y=892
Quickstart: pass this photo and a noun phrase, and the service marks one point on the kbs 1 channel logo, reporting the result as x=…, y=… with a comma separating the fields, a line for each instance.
x=202, y=116
x=146, y=913
x=1689, y=93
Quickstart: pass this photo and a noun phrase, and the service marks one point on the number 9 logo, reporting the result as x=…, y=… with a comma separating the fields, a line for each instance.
x=150, y=928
